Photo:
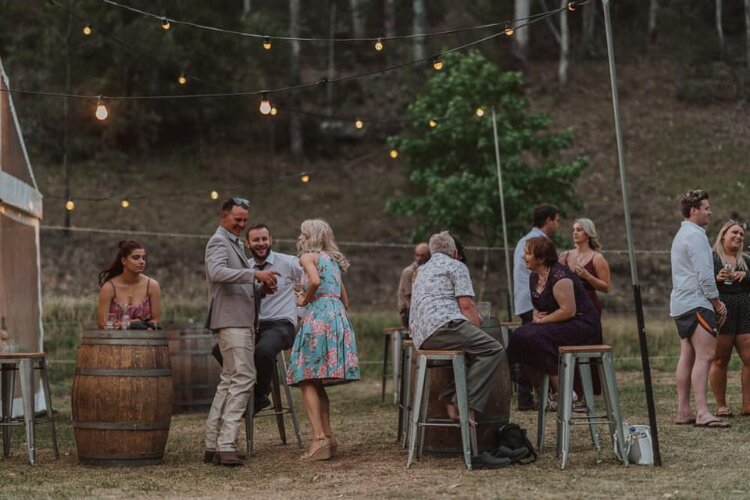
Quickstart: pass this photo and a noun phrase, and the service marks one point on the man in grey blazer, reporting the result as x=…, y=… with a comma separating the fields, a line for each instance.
x=231, y=315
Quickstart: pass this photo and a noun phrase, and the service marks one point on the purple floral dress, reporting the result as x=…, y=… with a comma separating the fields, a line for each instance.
x=324, y=348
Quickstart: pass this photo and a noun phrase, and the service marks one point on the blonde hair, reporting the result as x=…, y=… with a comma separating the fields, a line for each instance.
x=590, y=229
x=719, y=246
x=319, y=238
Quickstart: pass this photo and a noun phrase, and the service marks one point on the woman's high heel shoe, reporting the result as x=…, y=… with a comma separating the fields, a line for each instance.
x=320, y=449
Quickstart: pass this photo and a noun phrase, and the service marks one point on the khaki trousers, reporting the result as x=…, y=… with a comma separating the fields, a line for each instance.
x=237, y=379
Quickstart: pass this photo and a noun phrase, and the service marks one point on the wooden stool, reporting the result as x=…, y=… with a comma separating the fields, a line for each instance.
x=393, y=337
x=404, y=400
x=419, y=418
x=25, y=364
x=277, y=409
x=583, y=357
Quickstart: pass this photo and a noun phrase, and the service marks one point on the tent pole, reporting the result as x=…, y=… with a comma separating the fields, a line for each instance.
x=502, y=214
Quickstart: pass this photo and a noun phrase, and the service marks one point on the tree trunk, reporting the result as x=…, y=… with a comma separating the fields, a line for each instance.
x=246, y=7
x=719, y=25
x=521, y=9
x=389, y=16
x=653, y=9
x=562, y=70
x=747, y=48
x=418, y=26
x=295, y=127
x=358, y=20
x=589, y=28
x=331, y=57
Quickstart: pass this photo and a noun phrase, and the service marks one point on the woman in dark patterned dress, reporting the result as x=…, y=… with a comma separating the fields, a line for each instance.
x=563, y=314
x=731, y=268
x=587, y=261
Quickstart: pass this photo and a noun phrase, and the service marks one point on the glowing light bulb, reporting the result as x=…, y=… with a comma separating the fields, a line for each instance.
x=379, y=45
x=393, y=153
x=274, y=111
x=182, y=79
x=305, y=178
x=509, y=29
x=479, y=112
x=437, y=63
x=267, y=43
x=572, y=5
x=165, y=24
x=87, y=30
x=101, y=110
x=432, y=123
x=125, y=203
x=70, y=205
x=359, y=124
x=265, y=105
x=214, y=195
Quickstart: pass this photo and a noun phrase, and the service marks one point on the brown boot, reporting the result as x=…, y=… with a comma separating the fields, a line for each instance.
x=229, y=458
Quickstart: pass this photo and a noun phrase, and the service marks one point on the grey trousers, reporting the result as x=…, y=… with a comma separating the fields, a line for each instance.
x=483, y=354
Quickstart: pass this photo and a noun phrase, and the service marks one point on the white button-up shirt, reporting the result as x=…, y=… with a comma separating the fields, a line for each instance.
x=693, y=280
x=521, y=292
x=283, y=303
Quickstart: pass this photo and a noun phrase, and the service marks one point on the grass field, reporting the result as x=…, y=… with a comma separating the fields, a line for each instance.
x=698, y=463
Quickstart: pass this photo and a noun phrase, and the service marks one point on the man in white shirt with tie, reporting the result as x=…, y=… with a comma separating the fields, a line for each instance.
x=696, y=309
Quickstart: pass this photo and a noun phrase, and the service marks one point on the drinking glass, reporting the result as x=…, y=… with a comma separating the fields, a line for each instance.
x=109, y=321
x=729, y=279
x=125, y=322
x=485, y=309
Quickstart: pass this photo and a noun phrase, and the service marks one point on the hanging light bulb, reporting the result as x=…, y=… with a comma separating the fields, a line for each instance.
x=359, y=123
x=479, y=112
x=70, y=205
x=267, y=43
x=265, y=104
x=393, y=153
x=182, y=79
x=432, y=123
x=437, y=63
x=379, y=45
x=124, y=203
x=165, y=24
x=508, y=29
x=274, y=111
x=572, y=5
x=87, y=30
x=305, y=178
x=101, y=109
x=214, y=195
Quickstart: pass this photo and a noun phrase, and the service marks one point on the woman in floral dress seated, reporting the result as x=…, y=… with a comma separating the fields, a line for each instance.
x=324, y=351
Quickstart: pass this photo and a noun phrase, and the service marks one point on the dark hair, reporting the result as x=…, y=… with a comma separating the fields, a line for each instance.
x=543, y=249
x=259, y=225
x=542, y=213
x=234, y=201
x=692, y=199
x=460, y=250
x=125, y=248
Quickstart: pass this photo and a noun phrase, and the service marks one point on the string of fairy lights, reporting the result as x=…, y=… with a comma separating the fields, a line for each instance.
x=266, y=107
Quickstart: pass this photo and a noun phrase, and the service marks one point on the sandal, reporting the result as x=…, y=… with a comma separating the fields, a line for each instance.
x=713, y=424
x=724, y=413
x=320, y=449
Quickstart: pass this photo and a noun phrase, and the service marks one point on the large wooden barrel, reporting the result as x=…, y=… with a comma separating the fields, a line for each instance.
x=195, y=372
x=122, y=397
x=497, y=411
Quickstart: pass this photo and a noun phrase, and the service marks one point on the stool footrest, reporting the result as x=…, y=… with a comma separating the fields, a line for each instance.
x=419, y=352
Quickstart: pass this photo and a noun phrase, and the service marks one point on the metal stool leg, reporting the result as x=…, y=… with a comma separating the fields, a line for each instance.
x=541, y=420
x=276, y=399
x=613, y=398
x=584, y=369
x=396, y=336
x=26, y=369
x=249, y=424
x=48, y=401
x=459, y=375
x=7, y=408
x=416, y=408
x=425, y=407
x=564, y=406
x=387, y=338
x=406, y=396
x=281, y=364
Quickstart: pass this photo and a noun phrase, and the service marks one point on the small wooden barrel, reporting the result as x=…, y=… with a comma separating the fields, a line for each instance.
x=496, y=412
x=122, y=397
x=195, y=372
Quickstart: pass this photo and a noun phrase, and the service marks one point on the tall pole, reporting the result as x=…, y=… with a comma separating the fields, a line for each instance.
x=631, y=249
x=502, y=212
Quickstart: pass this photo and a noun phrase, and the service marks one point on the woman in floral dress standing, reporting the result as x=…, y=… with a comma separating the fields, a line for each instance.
x=324, y=351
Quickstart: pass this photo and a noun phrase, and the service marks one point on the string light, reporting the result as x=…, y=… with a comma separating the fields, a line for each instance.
x=101, y=109
x=508, y=29
x=572, y=5
x=182, y=79
x=124, y=203
x=437, y=63
x=267, y=43
x=479, y=112
x=432, y=123
x=70, y=205
x=165, y=23
x=265, y=105
x=274, y=111
x=87, y=30
x=359, y=123
x=379, y=45
x=393, y=153
x=305, y=178
x=214, y=195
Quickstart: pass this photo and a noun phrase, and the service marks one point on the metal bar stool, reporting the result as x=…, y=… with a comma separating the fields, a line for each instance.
x=25, y=364
x=392, y=347
x=404, y=400
x=419, y=418
x=277, y=409
x=583, y=357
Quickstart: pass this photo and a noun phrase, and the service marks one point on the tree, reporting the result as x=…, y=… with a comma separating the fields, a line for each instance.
x=451, y=166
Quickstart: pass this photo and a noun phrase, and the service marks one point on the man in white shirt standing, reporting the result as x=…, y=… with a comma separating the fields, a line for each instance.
x=696, y=308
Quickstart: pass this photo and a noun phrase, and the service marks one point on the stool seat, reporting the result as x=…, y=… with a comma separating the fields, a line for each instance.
x=10, y=356
x=575, y=349
x=437, y=352
x=392, y=329
x=407, y=343
x=510, y=324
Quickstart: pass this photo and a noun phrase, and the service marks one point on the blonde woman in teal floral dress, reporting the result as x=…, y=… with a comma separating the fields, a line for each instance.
x=324, y=351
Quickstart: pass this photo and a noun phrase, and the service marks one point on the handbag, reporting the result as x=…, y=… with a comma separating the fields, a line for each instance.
x=638, y=445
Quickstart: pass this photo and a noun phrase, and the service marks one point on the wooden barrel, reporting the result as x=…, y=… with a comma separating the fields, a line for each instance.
x=195, y=372
x=122, y=397
x=496, y=412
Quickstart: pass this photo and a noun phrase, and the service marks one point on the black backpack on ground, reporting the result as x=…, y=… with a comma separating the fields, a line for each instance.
x=512, y=443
